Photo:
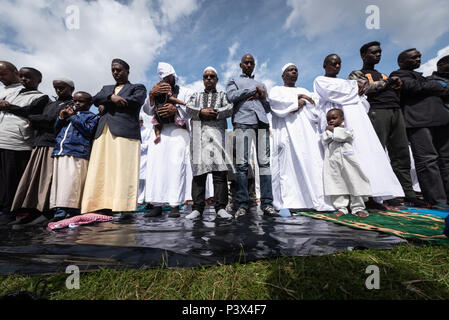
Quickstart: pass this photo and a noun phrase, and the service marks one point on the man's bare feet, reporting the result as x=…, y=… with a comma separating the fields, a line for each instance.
x=339, y=214
x=362, y=214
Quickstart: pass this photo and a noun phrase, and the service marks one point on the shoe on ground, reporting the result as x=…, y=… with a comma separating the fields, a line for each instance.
x=6, y=218
x=31, y=221
x=373, y=205
x=441, y=206
x=241, y=212
x=396, y=202
x=193, y=215
x=126, y=215
x=270, y=212
x=222, y=213
x=229, y=207
x=174, y=212
x=155, y=212
x=19, y=217
x=416, y=202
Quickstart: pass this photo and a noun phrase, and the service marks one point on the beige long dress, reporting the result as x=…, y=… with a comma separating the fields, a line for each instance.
x=113, y=175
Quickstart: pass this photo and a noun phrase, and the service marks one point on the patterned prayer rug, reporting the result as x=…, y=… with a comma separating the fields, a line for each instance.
x=410, y=224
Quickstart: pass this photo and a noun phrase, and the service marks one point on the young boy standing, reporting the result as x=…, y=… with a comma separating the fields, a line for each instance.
x=75, y=129
x=344, y=181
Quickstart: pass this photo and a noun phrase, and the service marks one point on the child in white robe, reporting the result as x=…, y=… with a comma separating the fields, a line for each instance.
x=344, y=181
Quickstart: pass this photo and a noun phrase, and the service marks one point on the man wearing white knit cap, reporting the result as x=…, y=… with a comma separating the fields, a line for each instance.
x=167, y=178
x=296, y=157
x=208, y=110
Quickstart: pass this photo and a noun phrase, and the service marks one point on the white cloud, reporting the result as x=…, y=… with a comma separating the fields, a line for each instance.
x=108, y=29
x=431, y=65
x=231, y=66
x=175, y=9
x=407, y=22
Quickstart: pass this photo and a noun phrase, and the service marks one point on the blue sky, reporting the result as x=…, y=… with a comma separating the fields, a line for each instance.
x=193, y=34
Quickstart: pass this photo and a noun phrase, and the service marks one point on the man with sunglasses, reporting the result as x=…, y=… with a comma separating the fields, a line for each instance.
x=251, y=124
x=208, y=111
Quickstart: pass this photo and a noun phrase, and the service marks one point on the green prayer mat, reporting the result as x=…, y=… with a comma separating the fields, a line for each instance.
x=404, y=224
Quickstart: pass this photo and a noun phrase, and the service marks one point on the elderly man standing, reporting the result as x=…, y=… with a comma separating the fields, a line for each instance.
x=250, y=122
x=427, y=123
x=18, y=99
x=208, y=111
x=297, y=160
x=168, y=159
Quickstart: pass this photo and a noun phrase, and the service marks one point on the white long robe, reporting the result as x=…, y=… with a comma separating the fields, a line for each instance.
x=297, y=155
x=342, y=173
x=145, y=133
x=169, y=178
x=343, y=94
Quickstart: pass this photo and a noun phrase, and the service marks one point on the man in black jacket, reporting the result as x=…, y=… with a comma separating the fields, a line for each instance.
x=442, y=75
x=427, y=123
x=388, y=121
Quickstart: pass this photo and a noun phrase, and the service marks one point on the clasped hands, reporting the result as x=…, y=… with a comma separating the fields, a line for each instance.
x=331, y=127
x=4, y=105
x=302, y=98
x=260, y=94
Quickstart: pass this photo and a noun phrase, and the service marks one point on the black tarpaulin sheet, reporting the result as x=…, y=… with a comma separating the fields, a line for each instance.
x=152, y=242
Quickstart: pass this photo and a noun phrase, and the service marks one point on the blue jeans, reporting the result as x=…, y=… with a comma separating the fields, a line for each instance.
x=244, y=135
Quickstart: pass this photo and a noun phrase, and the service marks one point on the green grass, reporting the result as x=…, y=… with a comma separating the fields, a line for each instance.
x=406, y=272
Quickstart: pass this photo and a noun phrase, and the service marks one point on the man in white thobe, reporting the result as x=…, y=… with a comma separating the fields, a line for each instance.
x=347, y=95
x=169, y=160
x=297, y=156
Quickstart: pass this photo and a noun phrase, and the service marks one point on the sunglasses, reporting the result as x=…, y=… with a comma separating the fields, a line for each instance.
x=211, y=76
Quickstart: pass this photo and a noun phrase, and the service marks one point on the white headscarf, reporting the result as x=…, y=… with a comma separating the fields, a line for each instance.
x=211, y=68
x=165, y=69
x=287, y=65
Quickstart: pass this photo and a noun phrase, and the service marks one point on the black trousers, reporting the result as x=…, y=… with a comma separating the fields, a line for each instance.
x=430, y=147
x=390, y=128
x=12, y=167
x=220, y=179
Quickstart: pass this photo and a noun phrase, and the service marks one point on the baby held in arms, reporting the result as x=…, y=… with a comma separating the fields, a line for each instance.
x=158, y=121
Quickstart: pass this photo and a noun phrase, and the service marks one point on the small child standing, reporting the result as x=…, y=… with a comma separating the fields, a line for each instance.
x=75, y=129
x=344, y=181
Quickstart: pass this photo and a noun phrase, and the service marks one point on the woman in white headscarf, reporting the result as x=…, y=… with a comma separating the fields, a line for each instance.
x=169, y=160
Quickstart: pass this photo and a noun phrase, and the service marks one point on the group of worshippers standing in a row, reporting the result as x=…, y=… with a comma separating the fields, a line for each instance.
x=323, y=150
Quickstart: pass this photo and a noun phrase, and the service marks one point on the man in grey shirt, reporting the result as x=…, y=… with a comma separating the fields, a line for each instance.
x=250, y=124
